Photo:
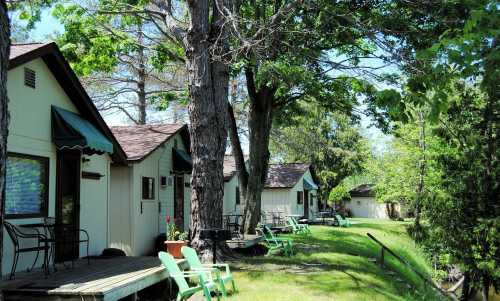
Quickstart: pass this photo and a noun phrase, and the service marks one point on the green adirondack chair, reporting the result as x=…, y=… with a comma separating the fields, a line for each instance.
x=298, y=228
x=196, y=265
x=343, y=222
x=276, y=243
x=205, y=282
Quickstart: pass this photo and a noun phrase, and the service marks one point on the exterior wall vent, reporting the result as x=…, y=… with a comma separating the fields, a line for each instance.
x=30, y=78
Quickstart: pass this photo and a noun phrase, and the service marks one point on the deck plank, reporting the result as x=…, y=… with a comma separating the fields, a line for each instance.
x=103, y=279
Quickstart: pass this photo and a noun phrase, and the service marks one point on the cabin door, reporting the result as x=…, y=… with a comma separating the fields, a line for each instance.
x=179, y=201
x=67, y=206
x=306, y=203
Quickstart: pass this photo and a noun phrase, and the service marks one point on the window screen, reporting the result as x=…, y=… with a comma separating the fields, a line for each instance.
x=26, y=186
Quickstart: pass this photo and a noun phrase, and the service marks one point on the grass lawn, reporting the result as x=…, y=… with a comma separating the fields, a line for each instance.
x=333, y=264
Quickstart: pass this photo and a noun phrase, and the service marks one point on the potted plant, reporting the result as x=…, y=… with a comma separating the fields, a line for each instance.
x=175, y=239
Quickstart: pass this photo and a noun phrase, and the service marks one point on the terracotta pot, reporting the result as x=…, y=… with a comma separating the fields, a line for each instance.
x=174, y=247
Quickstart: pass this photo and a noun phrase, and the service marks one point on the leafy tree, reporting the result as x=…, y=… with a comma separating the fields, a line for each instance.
x=291, y=50
x=339, y=194
x=330, y=141
x=396, y=173
x=116, y=56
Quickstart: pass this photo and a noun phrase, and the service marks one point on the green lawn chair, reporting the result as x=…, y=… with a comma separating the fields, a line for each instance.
x=343, y=222
x=205, y=282
x=195, y=265
x=275, y=243
x=298, y=228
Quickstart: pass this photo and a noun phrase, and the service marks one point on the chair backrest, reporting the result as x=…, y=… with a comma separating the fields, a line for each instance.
x=292, y=222
x=11, y=231
x=192, y=257
x=173, y=270
x=268, y=233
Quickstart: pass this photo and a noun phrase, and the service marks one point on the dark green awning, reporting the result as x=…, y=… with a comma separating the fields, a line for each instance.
x=309, y=185
x=70, y=131
x=182, y=161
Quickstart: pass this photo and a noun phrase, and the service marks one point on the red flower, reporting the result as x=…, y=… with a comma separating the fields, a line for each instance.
x=168, y=219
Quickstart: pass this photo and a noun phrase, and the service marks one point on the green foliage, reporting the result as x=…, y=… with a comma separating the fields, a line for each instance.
x=339, y=194
x=330, y=141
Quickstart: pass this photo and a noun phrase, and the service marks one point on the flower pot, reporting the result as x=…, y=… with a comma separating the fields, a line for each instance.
x=174, y=247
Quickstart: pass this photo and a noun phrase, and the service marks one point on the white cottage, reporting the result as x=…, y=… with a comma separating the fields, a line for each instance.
x=363, y=203
x=153, y=185
x=291, y=190
x=59, y=155
x=231, y=187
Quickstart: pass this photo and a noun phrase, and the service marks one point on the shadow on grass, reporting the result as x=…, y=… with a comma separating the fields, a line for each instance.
x=331, y=252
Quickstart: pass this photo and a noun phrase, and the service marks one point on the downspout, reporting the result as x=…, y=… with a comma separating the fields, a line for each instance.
x=158, y=177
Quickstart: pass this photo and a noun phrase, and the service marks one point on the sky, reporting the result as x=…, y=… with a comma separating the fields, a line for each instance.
x=49, y=26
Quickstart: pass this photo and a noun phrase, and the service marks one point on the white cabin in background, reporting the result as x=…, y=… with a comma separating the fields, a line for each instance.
x=232, y=203
x=291, y=190
x=155, y=184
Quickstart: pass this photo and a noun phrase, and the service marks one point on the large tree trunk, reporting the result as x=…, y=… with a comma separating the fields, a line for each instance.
x=259, y=126
x=4, y=115
x=252, y=181
x=208, y=88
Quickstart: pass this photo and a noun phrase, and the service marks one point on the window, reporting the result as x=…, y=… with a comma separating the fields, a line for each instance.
x=237, y=195
x=300, y=197
x=26, y=186
x=311, y=199
x=148, y=188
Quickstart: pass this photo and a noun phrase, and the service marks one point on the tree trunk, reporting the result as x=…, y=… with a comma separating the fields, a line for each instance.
x=259, y=125
x=208, y=78
x=465, y=287
x=422, y=166
x=238, y=155
x=4, y=113
x=141, y=84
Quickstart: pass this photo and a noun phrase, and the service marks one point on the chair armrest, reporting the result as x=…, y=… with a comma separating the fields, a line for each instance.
x=222, y=265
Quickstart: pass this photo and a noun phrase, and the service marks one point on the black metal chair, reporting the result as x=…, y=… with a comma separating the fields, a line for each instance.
x=65, y=235
x=16, y=235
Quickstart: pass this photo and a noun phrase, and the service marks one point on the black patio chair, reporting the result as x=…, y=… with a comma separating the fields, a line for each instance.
x=65, y=235
x=16, y=235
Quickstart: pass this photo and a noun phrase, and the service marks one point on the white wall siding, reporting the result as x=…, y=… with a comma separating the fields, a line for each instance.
x=366, y=207
x=120, y=214
x=230, y=196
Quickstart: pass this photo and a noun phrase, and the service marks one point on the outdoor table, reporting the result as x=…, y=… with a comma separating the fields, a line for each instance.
x=48, y=239
x=215, y=235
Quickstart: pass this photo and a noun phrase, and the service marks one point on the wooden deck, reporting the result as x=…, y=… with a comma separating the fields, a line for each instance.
x=103, y=279
x=246, y=242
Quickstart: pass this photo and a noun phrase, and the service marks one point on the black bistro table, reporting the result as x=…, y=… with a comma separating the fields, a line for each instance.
x=215, y=235
x=48, y=230
x=232, y=223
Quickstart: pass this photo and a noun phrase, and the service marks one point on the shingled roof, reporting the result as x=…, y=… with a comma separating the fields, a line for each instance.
x=363, y=190
x=139, y=141
x=229, y=167
x=17, y=50
x=285, y=175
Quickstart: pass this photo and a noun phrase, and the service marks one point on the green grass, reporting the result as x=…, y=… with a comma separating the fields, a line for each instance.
x=333, y=264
